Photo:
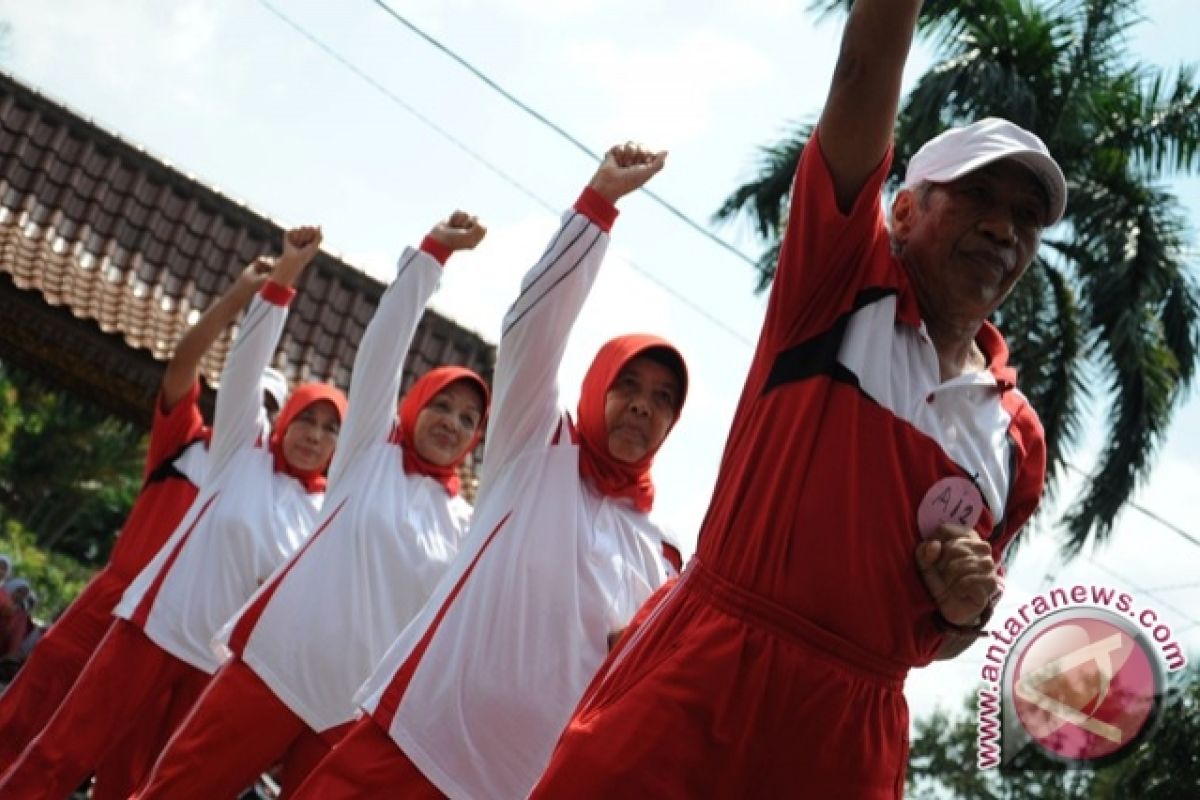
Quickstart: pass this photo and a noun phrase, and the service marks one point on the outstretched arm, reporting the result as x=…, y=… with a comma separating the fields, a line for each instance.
x=239, y=397
x=860, y=112
x=184, y=367
x=834, y=216
x=379, y=363
x=536, y=327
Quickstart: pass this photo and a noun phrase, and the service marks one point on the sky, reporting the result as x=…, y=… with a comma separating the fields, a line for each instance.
x=375, y=134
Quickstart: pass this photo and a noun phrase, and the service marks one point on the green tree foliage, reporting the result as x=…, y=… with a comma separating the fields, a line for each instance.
x=1110, y=294
x=69, y=472
x=57, y=579
x=1166, y=766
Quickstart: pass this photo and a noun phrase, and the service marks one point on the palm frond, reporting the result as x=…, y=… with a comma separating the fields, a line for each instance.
x=1131, y=269
x=1046, y=338
x=763, y=200
x=1112, y=295
x=1153, y=119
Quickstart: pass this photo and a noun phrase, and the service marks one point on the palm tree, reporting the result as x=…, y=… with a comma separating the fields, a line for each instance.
x=1108, y=307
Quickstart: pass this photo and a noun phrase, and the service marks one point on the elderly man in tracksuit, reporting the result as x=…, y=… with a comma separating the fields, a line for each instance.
x=880, y=460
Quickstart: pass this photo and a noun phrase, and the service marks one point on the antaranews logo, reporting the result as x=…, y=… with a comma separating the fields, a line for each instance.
x=1074, y=678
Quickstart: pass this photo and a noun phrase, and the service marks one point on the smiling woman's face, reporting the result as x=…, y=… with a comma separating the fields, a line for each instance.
x=309, y=440
x=447, y=424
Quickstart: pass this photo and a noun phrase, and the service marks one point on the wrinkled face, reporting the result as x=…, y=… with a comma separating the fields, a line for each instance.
x=309, y=441
x=966, y=243
x=447, y=424
x=640, y=408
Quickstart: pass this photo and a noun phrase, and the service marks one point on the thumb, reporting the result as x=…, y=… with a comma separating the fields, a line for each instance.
x=927, y=554
x=656, y=164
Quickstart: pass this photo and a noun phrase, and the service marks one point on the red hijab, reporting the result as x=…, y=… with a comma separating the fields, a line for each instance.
x=302, y=398
x=422, y=392
x=611, y=477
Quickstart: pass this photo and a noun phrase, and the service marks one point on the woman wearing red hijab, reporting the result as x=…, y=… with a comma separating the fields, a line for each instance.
x=256, y=505
x=392, y=523
x=174, y=467
x=470, y=699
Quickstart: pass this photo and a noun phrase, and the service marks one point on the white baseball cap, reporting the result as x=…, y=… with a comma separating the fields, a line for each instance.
x=274, y=384
x=957, y=151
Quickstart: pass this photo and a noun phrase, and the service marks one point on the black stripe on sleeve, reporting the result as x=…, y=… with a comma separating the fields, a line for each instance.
x=566, y=273
x=166, y=468
x=549, y=260
x=819, y=354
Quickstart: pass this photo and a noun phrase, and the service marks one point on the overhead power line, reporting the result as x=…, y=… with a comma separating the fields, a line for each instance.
x=1171, y=526
x=515, y=183
x=1183, y=614
x=1176, y=587
x=488, y=165
x=557, y=129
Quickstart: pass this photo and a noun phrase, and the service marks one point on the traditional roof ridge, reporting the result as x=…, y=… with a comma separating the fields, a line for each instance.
x=95, y=230
x=154, y=158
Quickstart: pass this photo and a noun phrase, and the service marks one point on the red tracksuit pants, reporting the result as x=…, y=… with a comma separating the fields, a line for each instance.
x=723, y=694
x=50, y=672
x=367, y=765
x=129, y=685
x=236, y=731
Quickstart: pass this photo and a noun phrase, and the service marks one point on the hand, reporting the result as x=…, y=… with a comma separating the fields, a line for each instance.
x=460, y=231
x=301, y=244
x=299, y=247
x=626, y=168
x=959, y=572
x=253, y=276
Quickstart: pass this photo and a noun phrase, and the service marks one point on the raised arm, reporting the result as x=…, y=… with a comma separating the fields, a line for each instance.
x=183, y=369
x=835, y=217
x=860, y=112
x=536, y=327
x=379, y=363
x=236, y=422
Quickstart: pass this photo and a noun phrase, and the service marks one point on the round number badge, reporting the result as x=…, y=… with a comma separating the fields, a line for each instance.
x=953, y=501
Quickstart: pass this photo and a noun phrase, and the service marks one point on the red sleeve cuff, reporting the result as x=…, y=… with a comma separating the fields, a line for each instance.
x=276, y=294
x=436, y=249
x=596, y=207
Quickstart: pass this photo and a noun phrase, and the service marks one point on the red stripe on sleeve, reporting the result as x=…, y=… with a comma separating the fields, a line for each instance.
x=389, y=703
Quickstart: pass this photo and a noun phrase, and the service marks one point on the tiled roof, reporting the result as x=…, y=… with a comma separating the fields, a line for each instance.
x=101, y=228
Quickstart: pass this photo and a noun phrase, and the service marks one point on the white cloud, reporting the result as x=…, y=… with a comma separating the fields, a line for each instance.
x=560, y=8
x=478, y=287
x=774, y=8
x=119, y=38
x=667, y=96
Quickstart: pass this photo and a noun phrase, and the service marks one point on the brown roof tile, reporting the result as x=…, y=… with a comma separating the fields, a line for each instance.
x=101, y=228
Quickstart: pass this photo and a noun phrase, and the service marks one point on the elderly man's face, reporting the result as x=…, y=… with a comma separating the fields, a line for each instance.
x=966, y=243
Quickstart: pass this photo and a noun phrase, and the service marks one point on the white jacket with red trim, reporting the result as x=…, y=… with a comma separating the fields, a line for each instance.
x=315, y=631
x=491, y=669
x=246, y=520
